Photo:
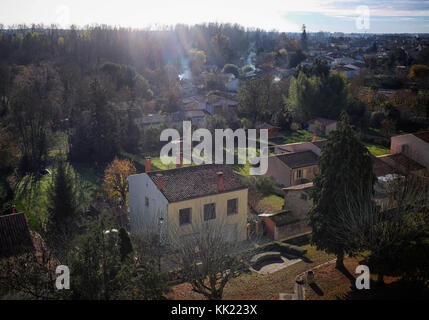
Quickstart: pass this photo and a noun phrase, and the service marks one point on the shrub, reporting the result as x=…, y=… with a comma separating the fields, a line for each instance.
x=231, y=68
x=283, y=248
x=295, y=126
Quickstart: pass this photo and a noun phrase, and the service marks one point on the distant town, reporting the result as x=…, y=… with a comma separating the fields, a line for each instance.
x=91, y=211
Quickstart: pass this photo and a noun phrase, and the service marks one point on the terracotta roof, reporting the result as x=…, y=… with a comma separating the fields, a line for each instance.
x=404, y=162
x=381, y=168
x=283, y=218
x=299, y=159
x=320, y=144
x=303, y=187
x=323, y=121
x=195, y=181
x=266, y=126
x=423, y=135
x=15, y=236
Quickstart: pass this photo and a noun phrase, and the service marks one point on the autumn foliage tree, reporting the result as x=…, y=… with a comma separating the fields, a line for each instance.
x=115, y=184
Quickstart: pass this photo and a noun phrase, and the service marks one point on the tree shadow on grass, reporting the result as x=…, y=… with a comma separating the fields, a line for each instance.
x=316, y=289
x=348, y=275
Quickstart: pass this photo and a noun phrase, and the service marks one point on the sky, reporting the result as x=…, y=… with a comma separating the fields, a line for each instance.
x=368, y=16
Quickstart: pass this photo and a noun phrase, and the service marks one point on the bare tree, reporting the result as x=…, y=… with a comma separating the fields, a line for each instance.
x=378, y=222
x=30, y=274
x=207, y=258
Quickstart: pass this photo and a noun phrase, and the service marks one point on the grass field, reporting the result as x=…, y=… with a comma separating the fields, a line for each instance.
x=377, y=150
x=255, y=286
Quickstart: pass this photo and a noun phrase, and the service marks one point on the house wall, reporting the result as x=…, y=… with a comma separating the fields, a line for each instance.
x=270, y=227
x=290, y=230
x=236, y=222
x=145, y=218
x=296, y=204
x=308, y=173
x=280, y=172
x=330, y=127
x=418, y=150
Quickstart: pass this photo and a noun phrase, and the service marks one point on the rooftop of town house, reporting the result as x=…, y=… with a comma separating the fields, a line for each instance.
x=15, y=235
x=299, y=159
x=381, y=168
x=423, y=135
x=190, y=182
x=323, y=121
x=403, y=161
x=304, y=186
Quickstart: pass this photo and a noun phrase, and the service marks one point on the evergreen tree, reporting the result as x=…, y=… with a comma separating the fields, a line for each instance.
x=125, y=245
x=62, y=206
x=304, y=37
x=345, y=166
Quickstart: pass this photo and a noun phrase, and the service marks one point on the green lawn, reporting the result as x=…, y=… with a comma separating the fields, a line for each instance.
x=272, y=203
x=377, y=150
x=287, y=137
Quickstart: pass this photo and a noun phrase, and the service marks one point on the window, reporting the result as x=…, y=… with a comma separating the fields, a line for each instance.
x=185, y=216
x=303, y=196
x=209, y=211
x=146, y=201
x=299, y=174
x=232, y=207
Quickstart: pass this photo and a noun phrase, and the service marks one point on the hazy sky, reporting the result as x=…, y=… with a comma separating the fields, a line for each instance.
x=283, y=15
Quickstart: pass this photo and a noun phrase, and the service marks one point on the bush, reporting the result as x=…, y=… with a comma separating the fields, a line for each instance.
x=231, y=68
x=295, y=126
x=283, y=248
x=376, y=118
x=299, y=240
x=261, y=184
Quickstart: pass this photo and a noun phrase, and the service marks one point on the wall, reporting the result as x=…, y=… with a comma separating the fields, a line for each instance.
x=298, y=206
x=280, y=172
x=330, y=127
x=418, y=149
x=291, y=230
x=146, y=218
x=238, y=221
x=308, y=173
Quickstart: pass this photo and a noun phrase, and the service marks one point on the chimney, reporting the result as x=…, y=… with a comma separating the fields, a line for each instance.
x=314, y=138
x=148, y=164
x=180, y=164
x=13, y=209
x=160, y=181
x=220, y=187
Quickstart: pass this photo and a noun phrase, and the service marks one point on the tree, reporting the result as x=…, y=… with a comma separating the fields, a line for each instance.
x=231, y=68
x=125, y=245
x=344, y=166
x=197, y=59
x=206, y=259
x=419, y=75
x=222, y=49
x=30, y=274
x=99, y=273
x=259, y=99
x=97, y=135
x=311, y=97
x=304, y=37
x=62, y=207
x=35, y=101
x=115, y=183
x=393, y=227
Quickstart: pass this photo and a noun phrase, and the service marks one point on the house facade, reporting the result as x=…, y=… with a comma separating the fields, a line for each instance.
x=322, y=126
x=292, y=220
x=186, y=198
x=295, y=168
x=414, y=146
